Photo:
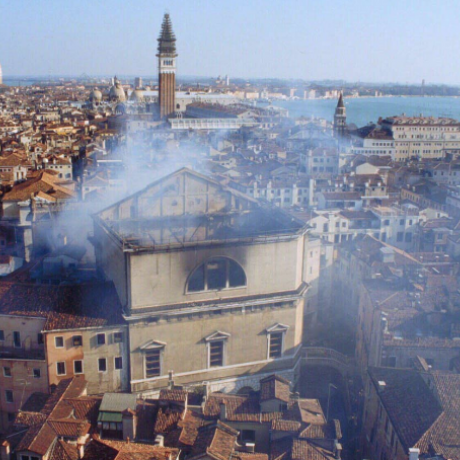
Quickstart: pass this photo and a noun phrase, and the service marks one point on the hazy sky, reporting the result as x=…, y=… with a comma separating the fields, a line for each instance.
x=366, y=40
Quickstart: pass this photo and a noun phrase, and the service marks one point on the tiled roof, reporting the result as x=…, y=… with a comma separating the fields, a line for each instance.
x=173, y=395
x=297, y=449
x=239, y=408
x=217, y=440
x=167, y=419
x=409, y=403
x=29, y=418
x=99, y=449
x=62, y=450
x=54, y=421
x=190, y=426
x=444, y=435
x=45, y=182
x=65, y=307
x=35, y=402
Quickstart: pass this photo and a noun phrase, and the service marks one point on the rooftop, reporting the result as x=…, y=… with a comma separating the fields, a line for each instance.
x=187, y=208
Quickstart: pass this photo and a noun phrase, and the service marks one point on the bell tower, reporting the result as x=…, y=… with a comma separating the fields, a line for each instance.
x=340, y=119
x=167, y=68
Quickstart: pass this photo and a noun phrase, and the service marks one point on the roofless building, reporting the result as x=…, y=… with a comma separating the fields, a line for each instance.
x=212, y=283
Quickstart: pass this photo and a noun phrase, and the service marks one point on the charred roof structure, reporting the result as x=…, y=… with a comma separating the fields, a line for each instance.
x=164, y=216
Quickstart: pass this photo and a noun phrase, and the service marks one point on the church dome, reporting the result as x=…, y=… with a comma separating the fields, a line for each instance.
x=137, y=95
x=95, y=95
x=116, y=92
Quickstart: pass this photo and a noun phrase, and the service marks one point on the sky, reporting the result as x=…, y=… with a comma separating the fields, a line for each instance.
x=350, y=40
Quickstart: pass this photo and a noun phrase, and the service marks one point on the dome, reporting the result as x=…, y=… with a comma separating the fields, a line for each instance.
x=137, y=95
x=116, y=92
x=95, y=95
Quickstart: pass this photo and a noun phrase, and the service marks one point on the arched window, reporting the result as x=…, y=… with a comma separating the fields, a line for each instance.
x=216, y=274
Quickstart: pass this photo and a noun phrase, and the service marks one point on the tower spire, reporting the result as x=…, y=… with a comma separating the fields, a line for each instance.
x=167, y=39
x=340, y=103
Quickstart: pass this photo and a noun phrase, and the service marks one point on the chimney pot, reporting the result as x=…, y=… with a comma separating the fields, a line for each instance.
x=81, y=450
x=159, y=440
x=414, y=453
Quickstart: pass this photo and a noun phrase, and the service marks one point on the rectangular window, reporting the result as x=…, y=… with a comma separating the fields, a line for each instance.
x=37, y=373
x=59, y=342
x=78, y=367
x=2, y=334
x=25, y=457
x=40, y=338
x=118, y=337
x=60, y=368
x=9, y=396
x=276, y=345
x=153, y=363
x=118, y=362
x=77, y=340
x=101, y=339
x=400, y=237
x=7, y=371
x=247, y=436
x=216, y=354
x=102, y=364
x=391, y=361
x=17, y=339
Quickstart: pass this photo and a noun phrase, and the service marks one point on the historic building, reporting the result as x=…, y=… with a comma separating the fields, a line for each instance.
x=340, y=119
x=212, y=284
x=167, y=69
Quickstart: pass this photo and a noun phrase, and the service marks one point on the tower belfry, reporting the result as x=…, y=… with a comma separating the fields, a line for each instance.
x=167, y=68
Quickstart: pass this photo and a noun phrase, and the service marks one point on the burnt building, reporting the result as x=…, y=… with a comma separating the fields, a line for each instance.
x=212, y=283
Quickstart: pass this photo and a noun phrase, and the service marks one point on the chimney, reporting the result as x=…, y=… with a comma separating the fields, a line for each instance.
x=81, y=450
x=414, y=453
x=337, y=450
x=170, y=380
x=5, y=451
x=159, y=440
x=223, y=410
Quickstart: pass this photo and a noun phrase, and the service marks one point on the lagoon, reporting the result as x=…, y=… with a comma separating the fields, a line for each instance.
x=361, y=111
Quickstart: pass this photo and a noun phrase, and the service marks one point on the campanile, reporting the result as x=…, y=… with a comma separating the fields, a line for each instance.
x=167, y=69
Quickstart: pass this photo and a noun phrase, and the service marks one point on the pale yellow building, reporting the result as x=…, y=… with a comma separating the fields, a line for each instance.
x=212, y=283
x=422, y=137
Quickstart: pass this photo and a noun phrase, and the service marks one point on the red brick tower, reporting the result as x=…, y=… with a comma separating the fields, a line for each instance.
x=167, y=69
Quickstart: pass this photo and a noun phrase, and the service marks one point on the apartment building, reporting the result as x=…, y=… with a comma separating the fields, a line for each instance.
x=23, y=368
